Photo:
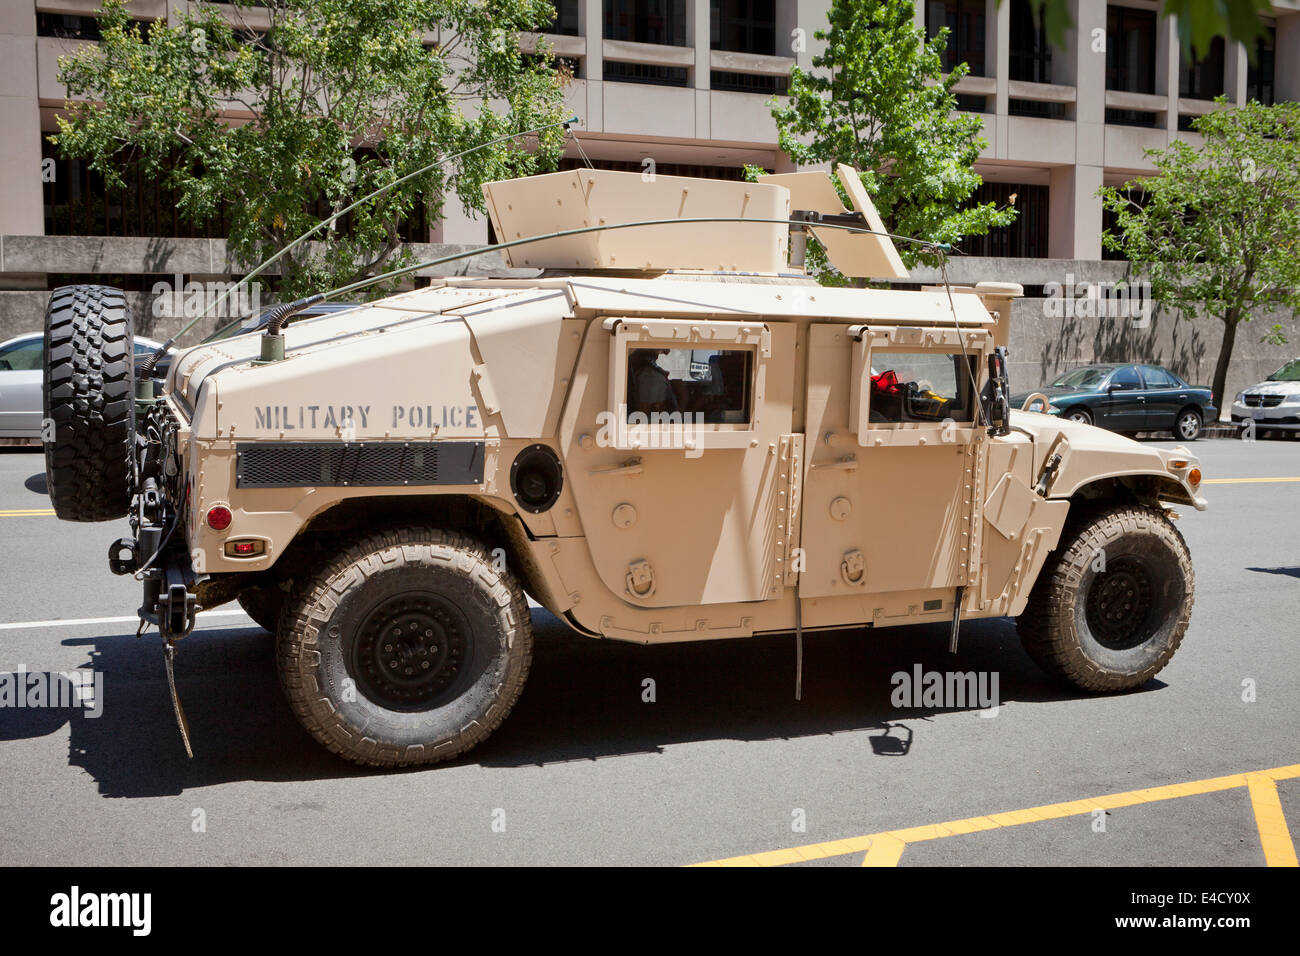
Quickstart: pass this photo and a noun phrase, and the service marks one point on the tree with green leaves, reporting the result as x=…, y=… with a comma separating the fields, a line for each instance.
x=1216, y=230
x=877, y=99
x=297, y=108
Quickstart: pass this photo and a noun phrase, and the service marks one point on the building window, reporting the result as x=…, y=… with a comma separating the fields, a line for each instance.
x=566, y=18
x=1038, y=109
x=646, y=21
x=67, y=27
x=970, y=103
x=76, y=27
x=765, y=84
x=1110, y=223
x=1130, y=50
x=1026, y=238
x=1031, y=54
x=1259, y=75
x=965, y=22
x=1202, y=78
x=743, y=26
x=617, y=72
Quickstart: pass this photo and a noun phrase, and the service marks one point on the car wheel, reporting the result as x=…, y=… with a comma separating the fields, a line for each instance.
x=1079, y=415
x=1188, y=425
x=1112, y=604
x=89, y=384
x=408, y=647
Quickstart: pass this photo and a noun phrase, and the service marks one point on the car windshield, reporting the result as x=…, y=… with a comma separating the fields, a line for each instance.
x=1081, y=378
x=1290, y=372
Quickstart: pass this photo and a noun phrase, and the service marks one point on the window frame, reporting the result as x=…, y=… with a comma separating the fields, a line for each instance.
x=627, y=334
x=975, y=344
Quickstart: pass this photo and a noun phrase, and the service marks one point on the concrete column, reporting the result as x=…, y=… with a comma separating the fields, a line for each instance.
x=1087, y=52
x=1074, y=213
x=1286, y=58
x=997, y=52
x=699, y=35
x=593, y=31
x=1235, y=62
x=21, y=203
x=459, y=228
x=809, y=17
x=1168, y=58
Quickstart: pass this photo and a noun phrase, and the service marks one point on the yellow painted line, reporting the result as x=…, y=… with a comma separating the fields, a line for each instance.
x=26, y=513
x=1244, y=481
x=1274, y=837
x=886, y=850
x=880, y=847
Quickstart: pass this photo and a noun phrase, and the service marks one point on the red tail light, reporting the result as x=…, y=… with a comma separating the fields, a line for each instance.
x=219, y=518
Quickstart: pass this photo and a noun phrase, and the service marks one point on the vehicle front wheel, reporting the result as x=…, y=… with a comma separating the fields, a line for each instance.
x=1112, y=604
x=409, y=647
x=1079, y=415
x=1188, y=425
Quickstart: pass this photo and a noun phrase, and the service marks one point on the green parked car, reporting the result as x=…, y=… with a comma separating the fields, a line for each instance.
x=1129, y=399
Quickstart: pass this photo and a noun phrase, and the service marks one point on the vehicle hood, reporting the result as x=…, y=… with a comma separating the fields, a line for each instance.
x=1273, y=388
x=1055, y=393
x=1090, y=454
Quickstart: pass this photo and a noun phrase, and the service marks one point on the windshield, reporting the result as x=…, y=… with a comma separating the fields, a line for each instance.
x=1290, y=372
x=1081, y=378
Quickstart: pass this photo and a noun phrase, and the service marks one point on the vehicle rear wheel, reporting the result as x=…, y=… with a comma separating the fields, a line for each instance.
x=89, y=384
x=1112, y=604
x=264, y=604
x=1188, y=425
x=407, y=648
x=1079, y=415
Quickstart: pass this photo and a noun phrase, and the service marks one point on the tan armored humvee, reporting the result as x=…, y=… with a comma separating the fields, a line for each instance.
x=671, y=434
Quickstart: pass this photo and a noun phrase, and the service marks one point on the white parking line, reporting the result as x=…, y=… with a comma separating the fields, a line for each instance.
x=72, y=621
x=69, y=622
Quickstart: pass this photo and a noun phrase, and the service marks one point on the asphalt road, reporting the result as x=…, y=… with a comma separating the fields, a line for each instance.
x=723, y=764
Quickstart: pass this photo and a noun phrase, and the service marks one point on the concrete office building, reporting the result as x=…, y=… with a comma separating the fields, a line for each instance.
x=686, y=83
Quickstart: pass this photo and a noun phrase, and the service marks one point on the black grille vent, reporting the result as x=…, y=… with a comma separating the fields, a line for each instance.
x=335, y=464
x=1263, y=401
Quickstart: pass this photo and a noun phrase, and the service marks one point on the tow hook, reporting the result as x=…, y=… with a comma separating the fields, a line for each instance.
x=124, y=556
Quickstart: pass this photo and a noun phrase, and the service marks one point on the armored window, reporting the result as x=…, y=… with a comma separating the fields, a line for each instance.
x=711, y=386
x=918, y=387
x=689, y=385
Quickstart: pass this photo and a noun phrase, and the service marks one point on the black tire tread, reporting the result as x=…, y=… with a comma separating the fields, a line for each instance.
x=89, y=385
x=317, y=596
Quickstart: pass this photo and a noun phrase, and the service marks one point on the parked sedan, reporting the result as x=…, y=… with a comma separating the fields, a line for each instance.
x=1273, y=404
x=21, y=374
x=1129, y=398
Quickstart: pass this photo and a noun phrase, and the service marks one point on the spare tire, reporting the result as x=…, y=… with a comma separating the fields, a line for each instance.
x=90, y=402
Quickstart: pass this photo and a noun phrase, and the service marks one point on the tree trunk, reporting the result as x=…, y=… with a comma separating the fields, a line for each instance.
x=1230, y=320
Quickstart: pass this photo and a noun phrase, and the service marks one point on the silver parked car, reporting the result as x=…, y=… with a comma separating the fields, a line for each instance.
x=1273, y=404
x=21, y=365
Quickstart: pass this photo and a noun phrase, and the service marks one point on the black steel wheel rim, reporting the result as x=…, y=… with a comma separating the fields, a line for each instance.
x=412, y=652
x=1120, y=604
